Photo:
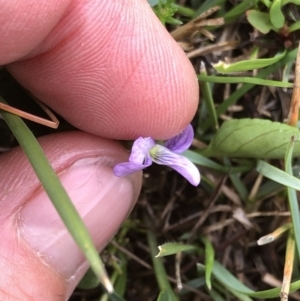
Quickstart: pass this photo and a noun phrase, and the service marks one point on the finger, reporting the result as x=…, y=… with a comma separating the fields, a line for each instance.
x=108, y=67
x=46, y=263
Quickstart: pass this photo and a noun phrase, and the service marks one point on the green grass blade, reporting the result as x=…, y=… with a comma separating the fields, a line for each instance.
x=243, y=80
x=203, y=161
x=248, y=64
x=228, y=280
x=292, y=196
x=57, y=194
x=237, y=182
x=277, y=175
x=205, y=89
x=232, y=99
x=232, y=283
x=238, y=10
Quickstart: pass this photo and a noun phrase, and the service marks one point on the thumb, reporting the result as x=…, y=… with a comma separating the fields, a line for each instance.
x=38, y=258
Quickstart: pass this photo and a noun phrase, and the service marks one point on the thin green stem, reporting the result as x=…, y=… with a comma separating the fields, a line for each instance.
x=159, y=269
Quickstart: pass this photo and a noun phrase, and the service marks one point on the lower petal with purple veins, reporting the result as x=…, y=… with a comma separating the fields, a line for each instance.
x=163, y=156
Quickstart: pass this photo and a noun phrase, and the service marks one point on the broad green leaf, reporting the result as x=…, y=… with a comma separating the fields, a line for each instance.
x=261, y=21
x=253, y=138
x=276, y=15
x=248, y=64
x=171, y=248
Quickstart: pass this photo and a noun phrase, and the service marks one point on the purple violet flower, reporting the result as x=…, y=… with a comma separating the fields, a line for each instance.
x=145, y=151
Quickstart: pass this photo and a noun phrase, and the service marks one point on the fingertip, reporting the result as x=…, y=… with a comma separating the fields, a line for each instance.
x=118, y=75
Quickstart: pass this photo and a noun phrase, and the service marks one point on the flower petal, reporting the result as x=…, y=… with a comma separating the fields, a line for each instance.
x=182, y=141
x=126, y=168
x=162, y=155
x=140, y=150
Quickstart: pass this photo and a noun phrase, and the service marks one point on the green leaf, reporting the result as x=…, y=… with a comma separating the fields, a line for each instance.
x=248, y=64
x=295, y=26
x=261, y=21
x=276, y=15
x=284, y=2
x=253, y=138
x=209, y=261
x=171, y=248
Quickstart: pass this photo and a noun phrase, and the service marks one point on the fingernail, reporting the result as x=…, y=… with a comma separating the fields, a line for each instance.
x=103, y=201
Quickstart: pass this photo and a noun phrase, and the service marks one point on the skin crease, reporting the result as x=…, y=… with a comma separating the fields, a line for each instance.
x=110, y=69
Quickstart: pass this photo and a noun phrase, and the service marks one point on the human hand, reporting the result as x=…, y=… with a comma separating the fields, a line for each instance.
x=112, y=70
